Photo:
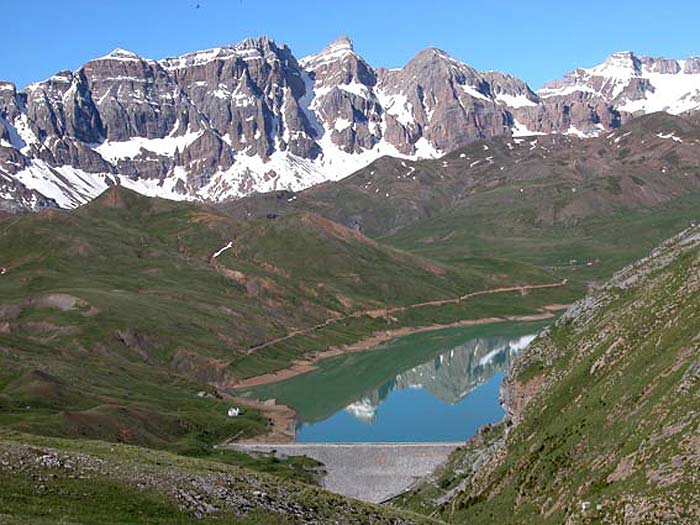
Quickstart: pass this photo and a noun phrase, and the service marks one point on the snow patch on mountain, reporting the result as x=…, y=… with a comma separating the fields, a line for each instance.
x=474, y=92
x=673, y=93
x=397, y=105
x=518, y=129
x=515, y=101
x=166, y=146
x=68, y=186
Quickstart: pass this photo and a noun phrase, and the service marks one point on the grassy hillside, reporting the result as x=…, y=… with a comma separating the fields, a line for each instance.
x=604, y=426
x=116, y=318
x=48, y=480
x=556, y=202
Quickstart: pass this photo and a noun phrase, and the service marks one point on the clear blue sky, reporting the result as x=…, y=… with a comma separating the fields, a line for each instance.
x=535, y=40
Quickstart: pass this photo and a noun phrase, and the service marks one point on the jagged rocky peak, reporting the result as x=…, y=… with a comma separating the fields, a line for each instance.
x=634, y=84
x=223, y=122
x=510, y=90
x=251, y=49
x=664, y=66
x=432, y=61
x=692, y=66
x=8, y=101
x=120, y=54
x=341, y=48
x=338, y=64
x=625, y=64
x=344, y=103
x=134, y=97
x=266, y=49
x=444, y=100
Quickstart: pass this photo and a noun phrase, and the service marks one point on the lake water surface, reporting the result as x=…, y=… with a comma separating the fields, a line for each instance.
x=429, y=387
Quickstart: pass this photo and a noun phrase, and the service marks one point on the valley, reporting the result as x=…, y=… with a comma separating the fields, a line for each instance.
x=241, y=286
x=214, y=307
x=600, y=423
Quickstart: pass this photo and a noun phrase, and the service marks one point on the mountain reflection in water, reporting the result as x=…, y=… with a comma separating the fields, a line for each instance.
x=441, y=385
x=449, y=376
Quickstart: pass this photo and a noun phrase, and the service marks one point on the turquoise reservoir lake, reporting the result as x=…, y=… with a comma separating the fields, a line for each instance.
x=427, y=387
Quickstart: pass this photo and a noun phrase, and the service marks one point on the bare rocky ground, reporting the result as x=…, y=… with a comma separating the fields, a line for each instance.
x=372, y=472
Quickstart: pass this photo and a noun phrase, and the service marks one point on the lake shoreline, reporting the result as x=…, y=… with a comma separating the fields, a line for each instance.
x=283, y=418
x=372, y=342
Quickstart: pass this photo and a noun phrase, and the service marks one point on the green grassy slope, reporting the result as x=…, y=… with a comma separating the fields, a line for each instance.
x=587, y=252
x=606, y=428
x=48, y=480
x=553, y=201
x=116, y=317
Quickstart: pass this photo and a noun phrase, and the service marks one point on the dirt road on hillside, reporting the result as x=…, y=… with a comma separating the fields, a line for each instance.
x=398, y=309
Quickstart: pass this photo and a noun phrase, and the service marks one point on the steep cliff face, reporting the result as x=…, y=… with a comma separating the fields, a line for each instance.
x=603, y=425
x=228, y=121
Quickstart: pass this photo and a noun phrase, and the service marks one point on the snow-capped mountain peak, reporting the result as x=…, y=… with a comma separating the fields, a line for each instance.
x=621, y=64
x=120, y=54
x=339, y=49
x=224, y=122
x=634, y=84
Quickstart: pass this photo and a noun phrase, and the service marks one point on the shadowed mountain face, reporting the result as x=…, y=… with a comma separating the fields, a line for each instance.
x=226, y=122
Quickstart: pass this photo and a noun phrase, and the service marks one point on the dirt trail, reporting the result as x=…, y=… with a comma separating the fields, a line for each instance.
x=303, y=366
x=397, y=309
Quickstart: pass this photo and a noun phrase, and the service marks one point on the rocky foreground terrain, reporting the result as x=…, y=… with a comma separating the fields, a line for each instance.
x=226, y=122
x=48, y=481
x=602, y=422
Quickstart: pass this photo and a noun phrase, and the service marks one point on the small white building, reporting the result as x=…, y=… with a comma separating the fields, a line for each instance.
x=234, y=412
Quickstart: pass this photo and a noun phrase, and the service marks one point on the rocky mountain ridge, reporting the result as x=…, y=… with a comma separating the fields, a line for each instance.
x=225, y=122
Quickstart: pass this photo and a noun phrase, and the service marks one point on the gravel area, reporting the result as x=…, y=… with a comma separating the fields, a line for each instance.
x=372, y=472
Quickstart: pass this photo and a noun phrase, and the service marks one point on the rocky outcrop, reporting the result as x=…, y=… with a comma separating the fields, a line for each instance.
x=15, y=197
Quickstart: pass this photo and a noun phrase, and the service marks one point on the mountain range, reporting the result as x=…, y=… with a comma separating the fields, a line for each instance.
x=342, y=205
x=227, y=122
